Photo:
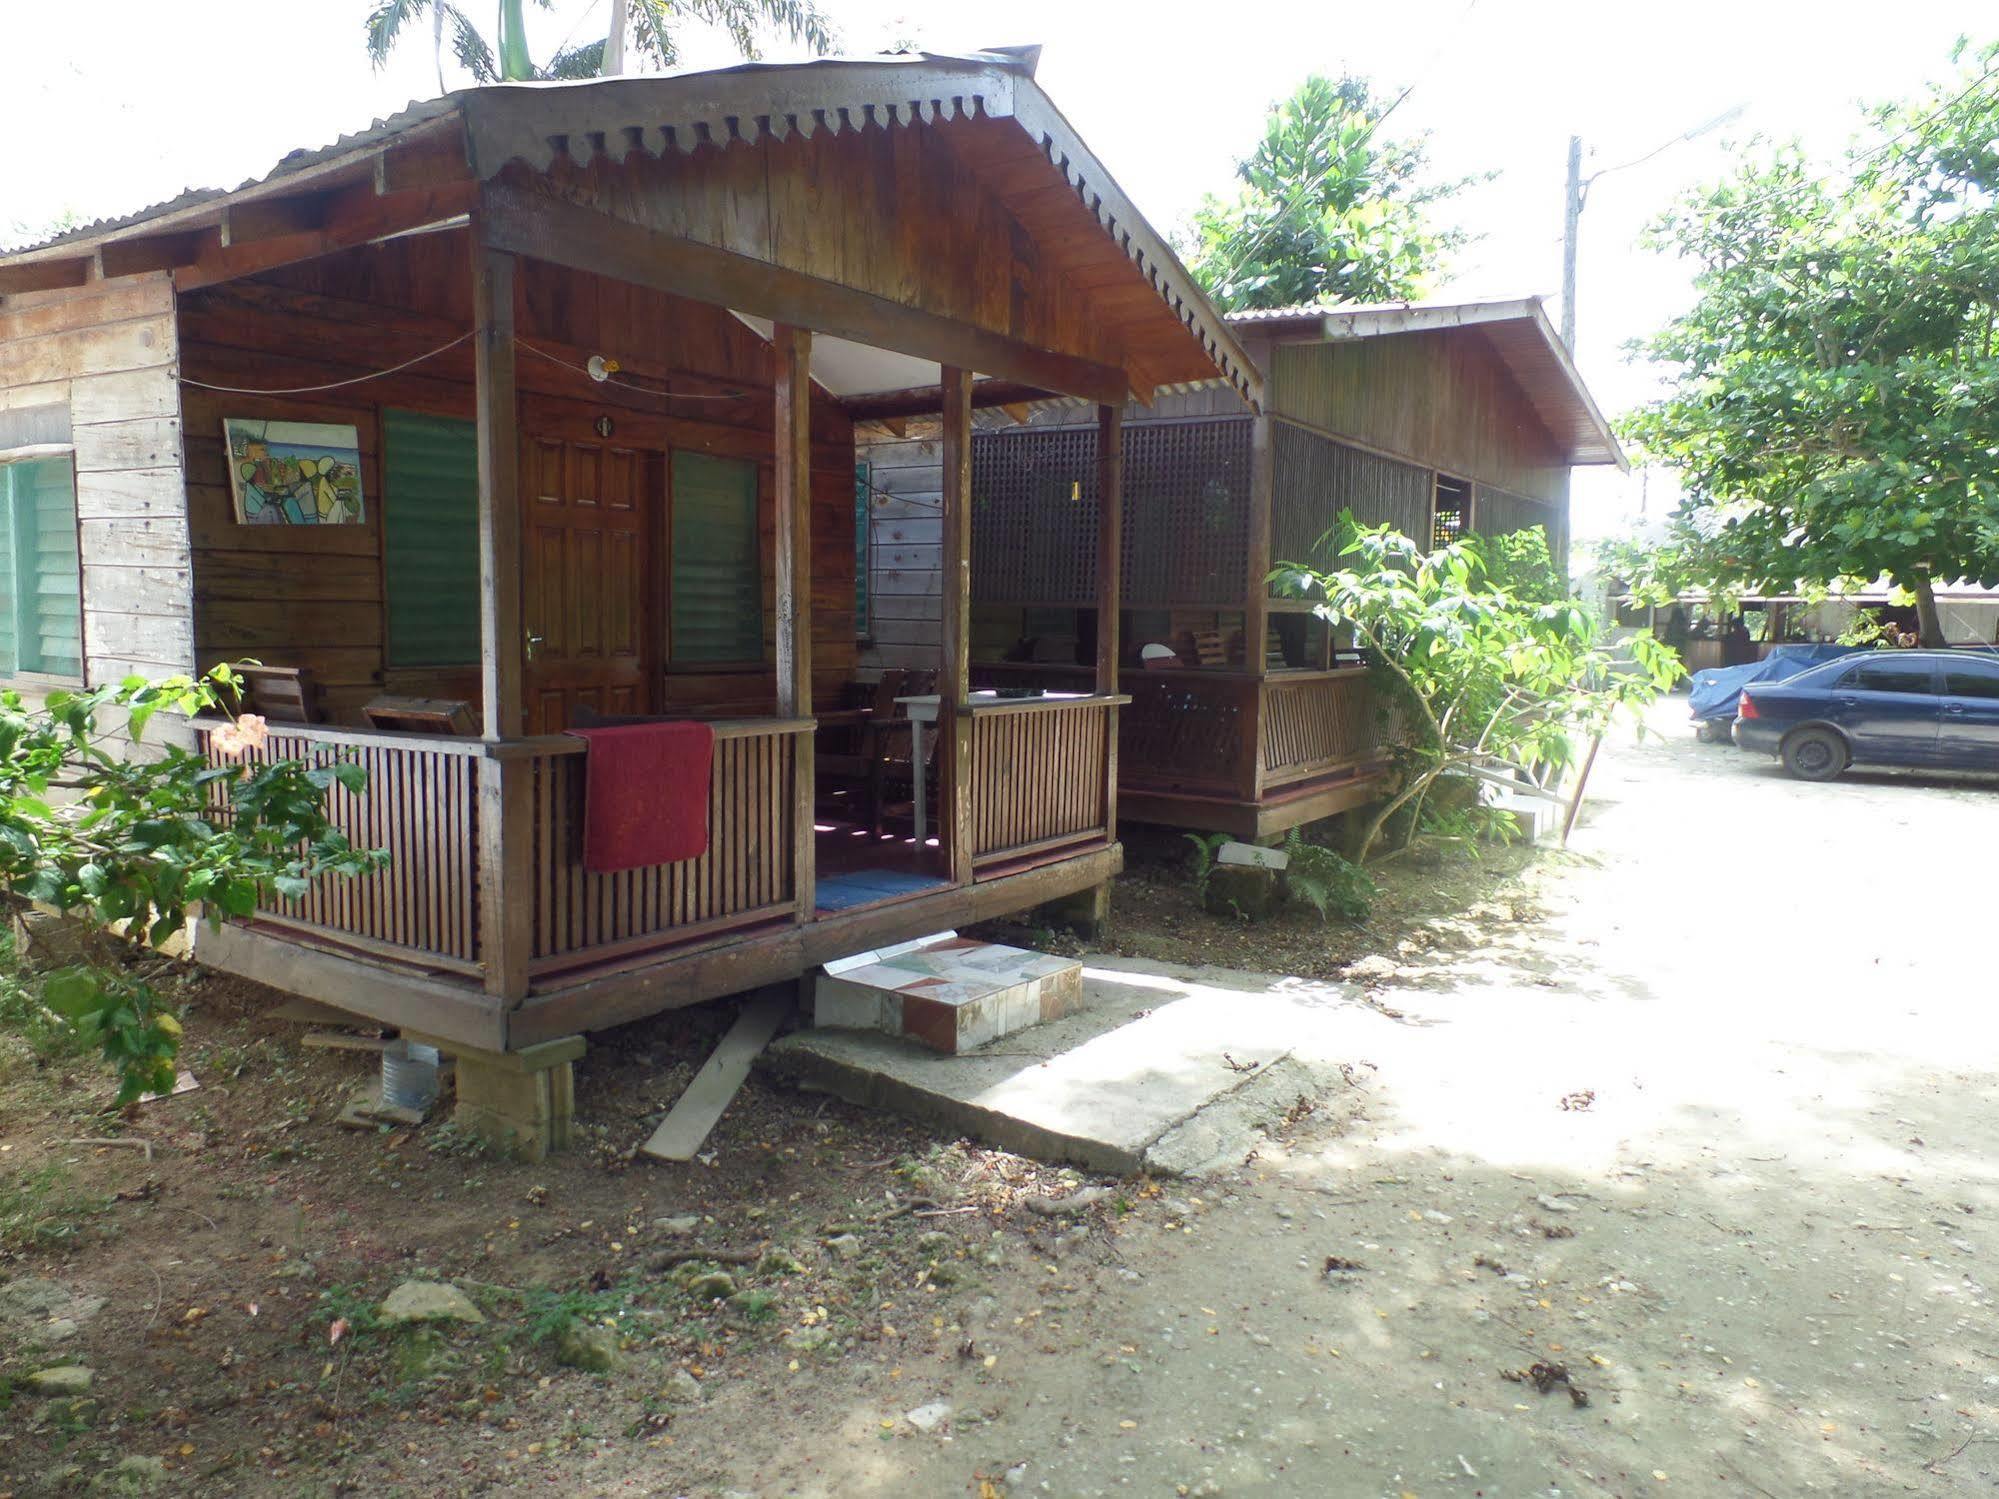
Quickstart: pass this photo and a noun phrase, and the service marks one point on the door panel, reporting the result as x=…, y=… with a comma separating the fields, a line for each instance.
x=1889, y=709
x=586, y=593
x=1969, y=734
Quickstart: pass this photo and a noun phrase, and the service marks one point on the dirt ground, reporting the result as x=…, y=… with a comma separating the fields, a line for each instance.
x=1697, y=1119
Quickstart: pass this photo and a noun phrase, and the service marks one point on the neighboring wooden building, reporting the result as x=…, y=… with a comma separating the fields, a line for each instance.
x=1439, y=419
x=599, y=345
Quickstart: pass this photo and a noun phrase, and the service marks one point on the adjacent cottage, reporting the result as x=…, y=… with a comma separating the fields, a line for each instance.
x=532, y=409
x=1439, y=419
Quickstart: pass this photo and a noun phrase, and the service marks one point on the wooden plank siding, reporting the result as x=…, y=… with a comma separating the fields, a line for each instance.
x=107, y=351
x=314, y=596
x=1442, y=400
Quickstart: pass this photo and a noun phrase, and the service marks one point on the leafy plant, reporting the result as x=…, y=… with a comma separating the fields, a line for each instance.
x=1326, y=881
x=1329, y=208
x=1469, y=671
x=1472, y=825
x=137, y=844
x=43, y=1207
x=1206, y=847
x=1833, y=413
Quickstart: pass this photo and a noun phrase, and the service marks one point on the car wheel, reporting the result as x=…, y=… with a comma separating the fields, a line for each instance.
x=1713, y=731
x=1815, y=754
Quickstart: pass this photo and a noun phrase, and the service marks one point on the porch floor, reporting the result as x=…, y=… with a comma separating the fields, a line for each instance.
x=871, y=887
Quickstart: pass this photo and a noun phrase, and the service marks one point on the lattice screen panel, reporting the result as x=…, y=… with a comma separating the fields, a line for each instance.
x=1316, y=478
x=1186, y=499
x=1496, y=513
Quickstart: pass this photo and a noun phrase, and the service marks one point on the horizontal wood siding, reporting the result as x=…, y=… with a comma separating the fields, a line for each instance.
x=107, y=351
x=314, y=596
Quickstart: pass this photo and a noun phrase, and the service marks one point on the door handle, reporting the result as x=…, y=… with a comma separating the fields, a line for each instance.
x=1953, y=708
x=534, y=643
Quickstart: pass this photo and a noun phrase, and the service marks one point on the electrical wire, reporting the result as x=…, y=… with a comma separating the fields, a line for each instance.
x=306, y=390
x=664, y=395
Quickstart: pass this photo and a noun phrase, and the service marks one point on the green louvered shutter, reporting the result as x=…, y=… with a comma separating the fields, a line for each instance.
x=431, y=532
x=41, y=615
x=717, y=609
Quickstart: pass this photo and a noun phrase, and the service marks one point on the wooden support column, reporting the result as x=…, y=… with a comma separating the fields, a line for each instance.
x=1256, y=601
x=1110, y=583
x=793, y=348
x=954, y=726
x=505, y=838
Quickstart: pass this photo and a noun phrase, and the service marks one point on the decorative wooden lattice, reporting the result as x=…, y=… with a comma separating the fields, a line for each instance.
x=1186, y=514
x=1314, y=478
x=1498, y=513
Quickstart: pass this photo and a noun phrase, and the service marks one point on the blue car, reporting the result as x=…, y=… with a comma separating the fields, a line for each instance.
x=1926, y=709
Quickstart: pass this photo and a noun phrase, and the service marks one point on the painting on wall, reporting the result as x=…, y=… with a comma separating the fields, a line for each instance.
x=294, y=473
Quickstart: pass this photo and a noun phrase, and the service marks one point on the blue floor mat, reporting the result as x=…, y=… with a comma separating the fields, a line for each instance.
x=864, y=887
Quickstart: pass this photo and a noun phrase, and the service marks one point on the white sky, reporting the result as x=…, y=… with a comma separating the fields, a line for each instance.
x=132, y=100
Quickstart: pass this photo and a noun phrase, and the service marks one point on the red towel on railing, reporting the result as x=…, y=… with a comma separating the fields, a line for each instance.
x=645, y=794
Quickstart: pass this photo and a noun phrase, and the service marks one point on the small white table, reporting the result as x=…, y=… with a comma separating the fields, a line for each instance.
x=923, y=710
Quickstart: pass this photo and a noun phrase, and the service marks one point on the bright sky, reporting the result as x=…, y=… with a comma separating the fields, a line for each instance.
x=133, y=100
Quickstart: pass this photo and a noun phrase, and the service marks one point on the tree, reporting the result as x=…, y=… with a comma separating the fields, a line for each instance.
x=136, y=844
x=1470, y=671
x=1834, y=406
x=1329, y=210
x=505, y=58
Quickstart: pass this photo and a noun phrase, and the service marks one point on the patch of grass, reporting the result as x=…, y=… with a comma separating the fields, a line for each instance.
x=45, y=1207
x=755, y=1306
x=447, y=1139
x=47, y=1035
x=351, y=1304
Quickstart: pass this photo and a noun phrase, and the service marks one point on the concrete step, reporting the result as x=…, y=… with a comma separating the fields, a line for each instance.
x=949, y=993
x=1170, y=1075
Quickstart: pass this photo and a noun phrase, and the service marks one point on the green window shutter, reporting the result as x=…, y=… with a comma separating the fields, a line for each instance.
x=717, y=606
x=431, y=538
x=41, y=615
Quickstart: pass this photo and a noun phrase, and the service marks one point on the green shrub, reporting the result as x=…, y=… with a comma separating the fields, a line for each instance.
x=1321, y=878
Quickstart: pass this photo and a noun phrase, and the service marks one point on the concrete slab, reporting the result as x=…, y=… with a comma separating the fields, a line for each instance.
x=1163, y=1069
x=950, y=993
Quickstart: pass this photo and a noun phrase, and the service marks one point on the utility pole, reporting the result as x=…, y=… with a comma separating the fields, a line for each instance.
x=1572, y=213
x=614, y=41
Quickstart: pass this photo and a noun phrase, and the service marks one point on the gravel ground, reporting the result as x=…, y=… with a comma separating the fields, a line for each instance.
x=1712, y=1143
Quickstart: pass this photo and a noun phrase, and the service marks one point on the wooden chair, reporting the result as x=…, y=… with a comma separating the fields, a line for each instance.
x=280, y=694
x=421, y=715
x=852, y=741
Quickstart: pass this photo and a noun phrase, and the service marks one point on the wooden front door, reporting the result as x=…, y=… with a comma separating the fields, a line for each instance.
x=587, y=585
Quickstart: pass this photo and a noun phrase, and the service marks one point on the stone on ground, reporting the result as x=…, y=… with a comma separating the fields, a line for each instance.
x=684, y=1387
x=66, y=1379
x=593, y=1349
x=927, y=1418
x=428, y=1301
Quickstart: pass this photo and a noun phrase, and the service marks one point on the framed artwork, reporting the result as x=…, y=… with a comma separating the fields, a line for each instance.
x=294, y=473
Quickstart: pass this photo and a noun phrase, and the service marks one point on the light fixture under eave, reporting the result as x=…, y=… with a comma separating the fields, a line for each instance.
x=599, y=368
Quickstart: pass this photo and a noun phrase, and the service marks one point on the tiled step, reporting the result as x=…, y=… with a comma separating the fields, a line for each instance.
x=947, y=992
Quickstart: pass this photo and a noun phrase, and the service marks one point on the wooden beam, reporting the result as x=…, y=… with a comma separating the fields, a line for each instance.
x=792, y=347
x=1110, y=584
x=954, y=727
x=358, y=218
x=1110, y=541
x=436, y=160
x=928, y=400
x=506, y=843
x=151, y=252
x=55, y=274
x=272, y=218
x=564, y=234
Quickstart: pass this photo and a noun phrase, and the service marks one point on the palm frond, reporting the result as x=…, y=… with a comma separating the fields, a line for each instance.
x=385, y=24
x=585, y=61
x=473, y=52
x=800, y=20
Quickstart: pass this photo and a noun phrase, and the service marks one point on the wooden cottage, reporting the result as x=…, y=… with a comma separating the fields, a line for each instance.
x=1439, y=419
x=537, y=400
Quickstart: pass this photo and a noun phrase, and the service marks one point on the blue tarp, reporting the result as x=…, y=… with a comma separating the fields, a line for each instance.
x=1716, y=691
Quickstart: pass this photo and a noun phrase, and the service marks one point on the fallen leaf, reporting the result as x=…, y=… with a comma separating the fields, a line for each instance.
x=337, y=1331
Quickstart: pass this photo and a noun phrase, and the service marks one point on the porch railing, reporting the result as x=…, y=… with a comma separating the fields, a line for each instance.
x=1222, y=734
x=1313, y=723
x=422, y=806
x=1040, y=777
x=747, y=876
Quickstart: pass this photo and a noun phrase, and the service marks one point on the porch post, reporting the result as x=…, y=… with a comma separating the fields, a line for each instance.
x=954, y=727
x=1256, y=599
x=793, y=348
x=1110, y=583
x=505, y=841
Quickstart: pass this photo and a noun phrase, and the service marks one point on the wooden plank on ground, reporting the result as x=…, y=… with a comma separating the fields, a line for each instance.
x=683, y=1131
